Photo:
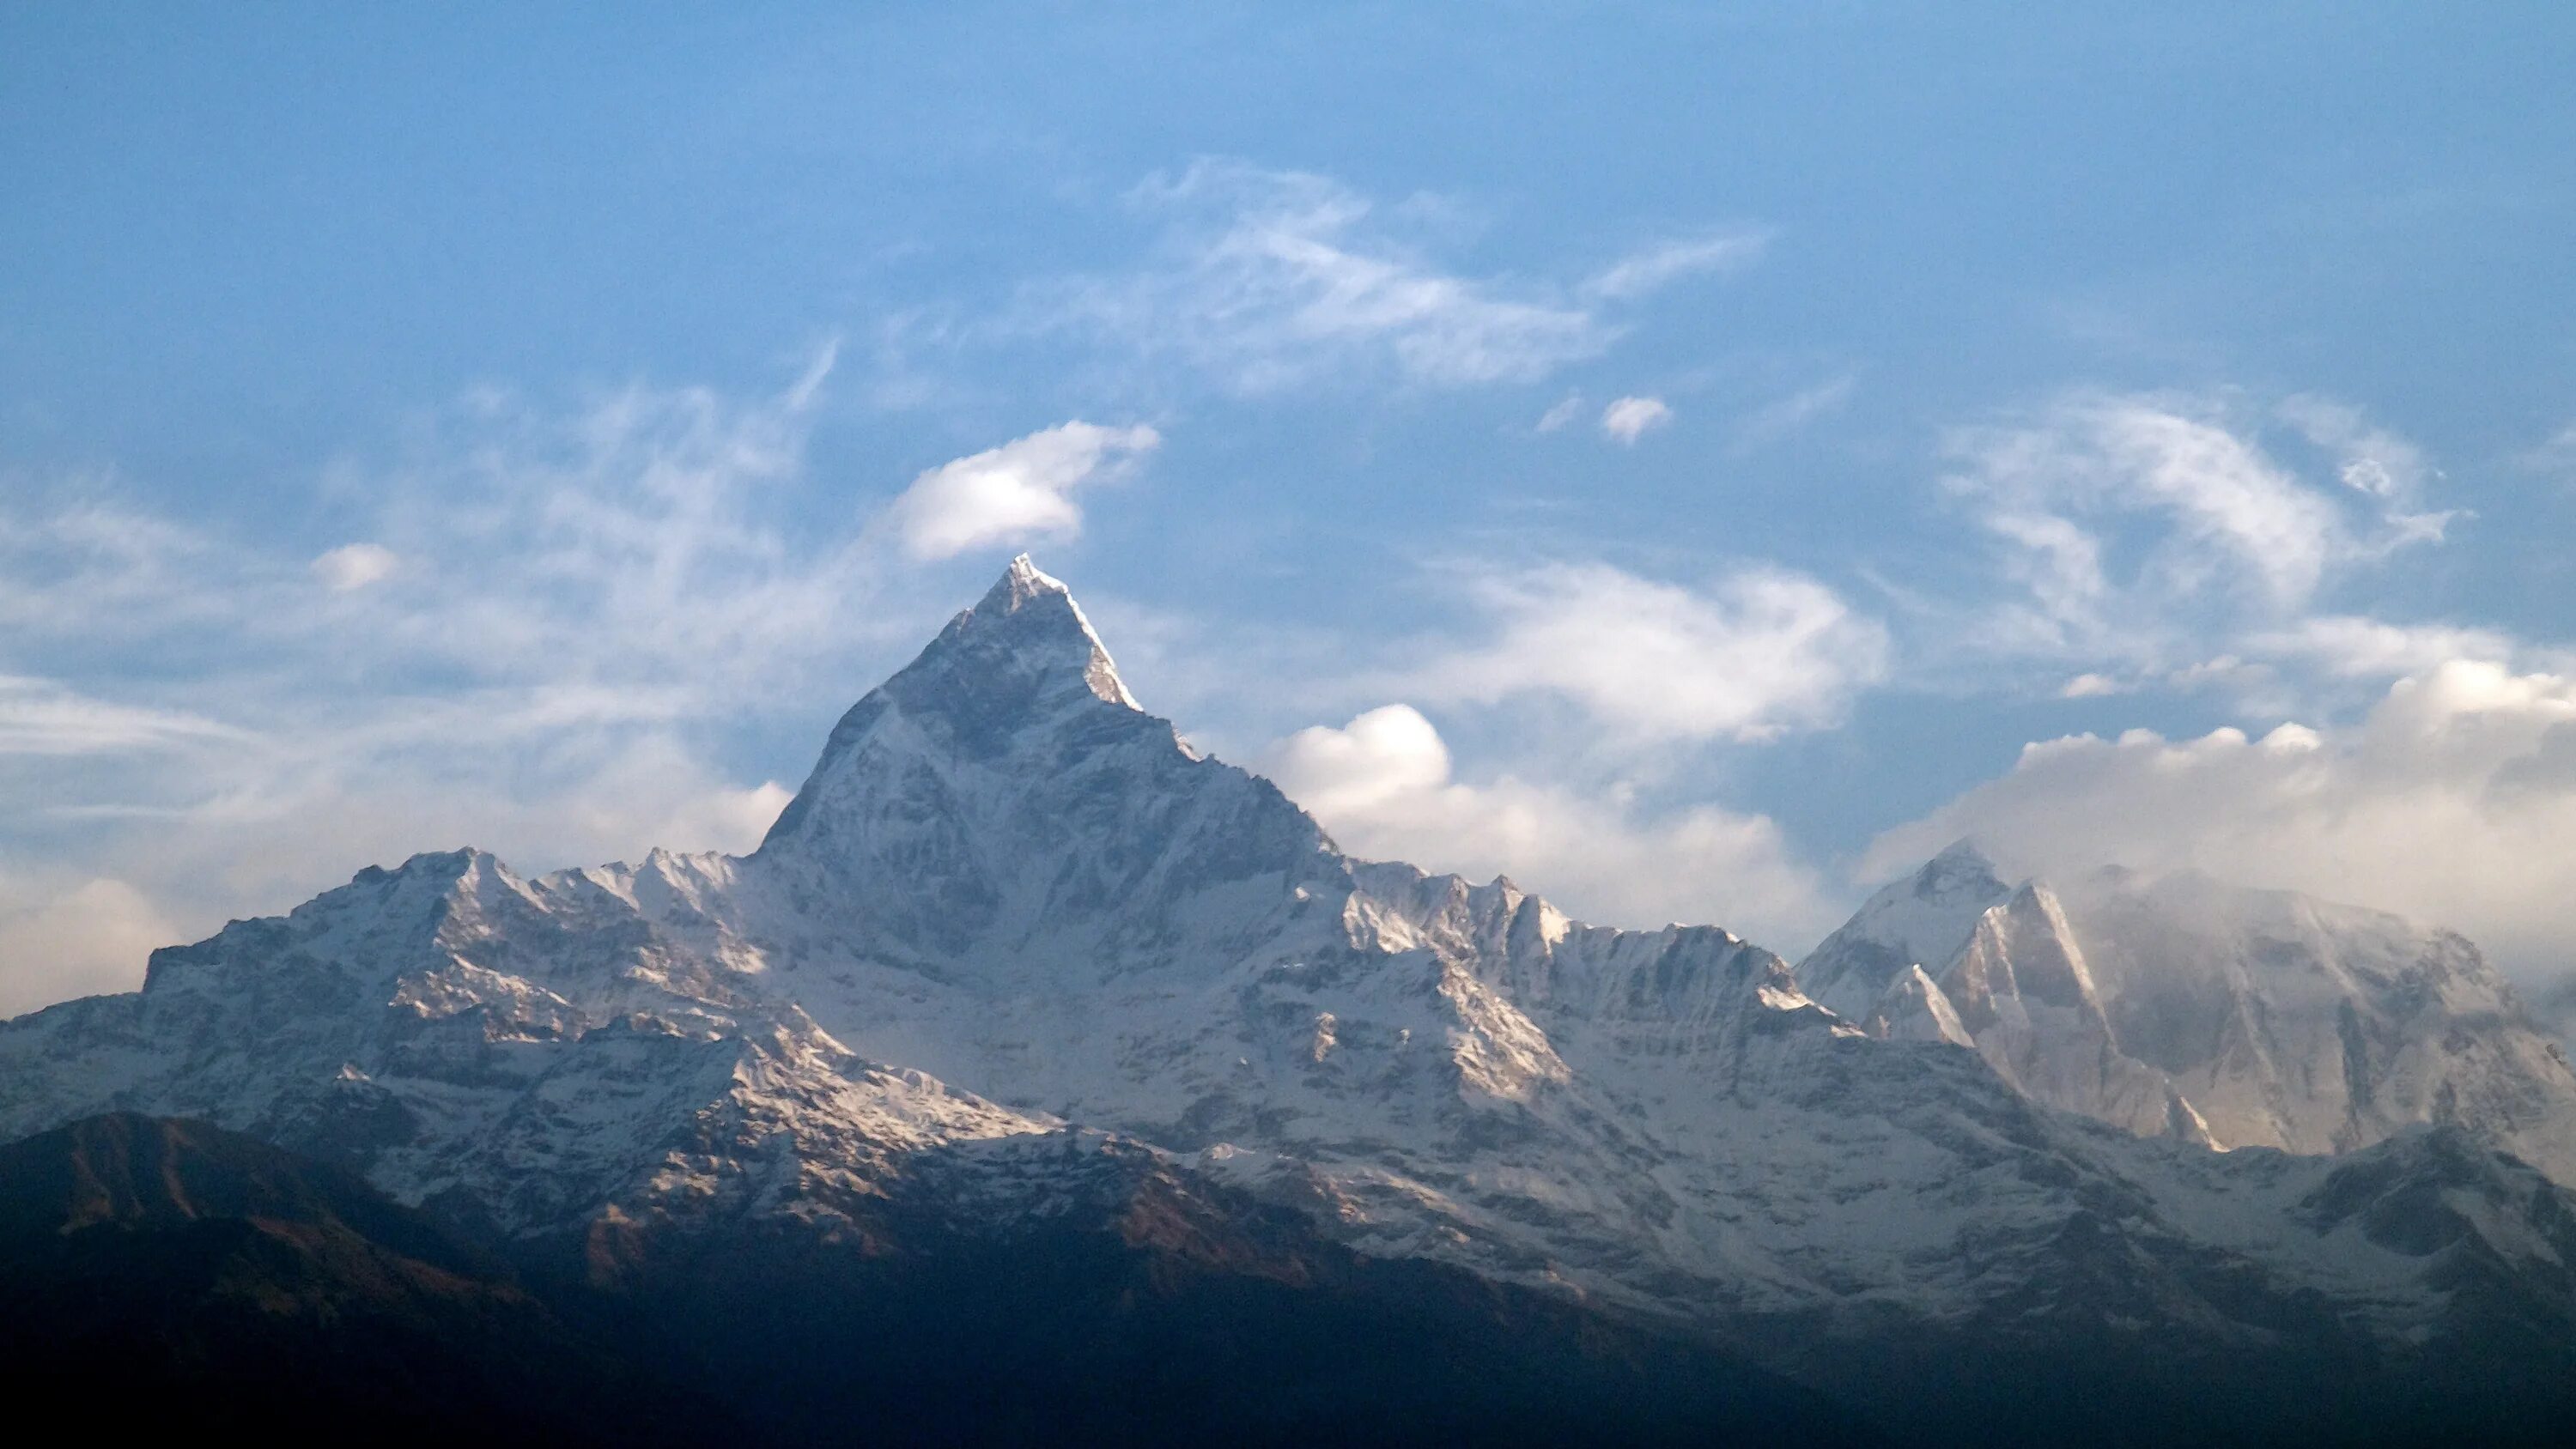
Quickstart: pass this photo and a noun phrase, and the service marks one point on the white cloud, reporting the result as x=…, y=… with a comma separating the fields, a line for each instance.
x=2219, y=491
x=637, y=540
x=1012, y=494
x=2352, y=647
x=353, y=566
x=729, y=820
x=1269, y=279
x=42, y=717
x=1657, y=266
x=2369, y=459
x=1753, y=655
x=1263, y=280
x=2142, y=528
x=2556, y=457
x=2453, y=801
x=1382, y=785
x=1628, y=418
x=2091, y=686
x=1566, y=410
x=60, y=939
x=1790, y=414
x=87, y=568
x=1387, y=753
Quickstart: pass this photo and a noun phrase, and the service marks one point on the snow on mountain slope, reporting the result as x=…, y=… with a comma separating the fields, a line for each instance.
x=1919, y=921
x=2185, y=1006
x=1010, y=902
x=470, y=1037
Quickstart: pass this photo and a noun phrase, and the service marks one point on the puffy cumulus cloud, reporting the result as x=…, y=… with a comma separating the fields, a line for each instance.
x=1747, y=658
x=65, y=938
x=2137, y=528
x=1384, y=754
x=1652, y=268
x=1383, y=785
x=1018, y=492
x=1627, y=419
x=2452, y=800
x=354, y=566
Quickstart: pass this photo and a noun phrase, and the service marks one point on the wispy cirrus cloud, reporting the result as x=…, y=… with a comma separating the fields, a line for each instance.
x=1271, y=278
x=2555, y=457
x=1559, y=413
x=2143, y=531
x=1789, y=415
x=2368, y=458
x=45, y=717
x=1267, y=279
x=1653, y=268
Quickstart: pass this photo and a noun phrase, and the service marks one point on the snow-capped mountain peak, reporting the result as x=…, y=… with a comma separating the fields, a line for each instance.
x=1027, y=593
x=1921, y=920
x=1018, y=678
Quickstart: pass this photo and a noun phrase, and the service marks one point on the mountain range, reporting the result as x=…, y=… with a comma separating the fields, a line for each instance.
x=1035, y=1057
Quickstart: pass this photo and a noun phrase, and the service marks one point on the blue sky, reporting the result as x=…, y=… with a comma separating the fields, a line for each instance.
x=1693, y=458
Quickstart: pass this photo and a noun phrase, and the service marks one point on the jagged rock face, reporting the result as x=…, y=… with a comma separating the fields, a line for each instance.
x=1011, y=903
x=2183, y=1006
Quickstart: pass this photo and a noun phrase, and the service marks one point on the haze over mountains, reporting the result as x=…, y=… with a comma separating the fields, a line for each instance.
x=1021, y=985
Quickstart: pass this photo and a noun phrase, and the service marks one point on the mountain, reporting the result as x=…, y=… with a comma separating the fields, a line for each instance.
x=172, y=1277
x=1013, y=926
x=2179, y=1005
x=191, y=1278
